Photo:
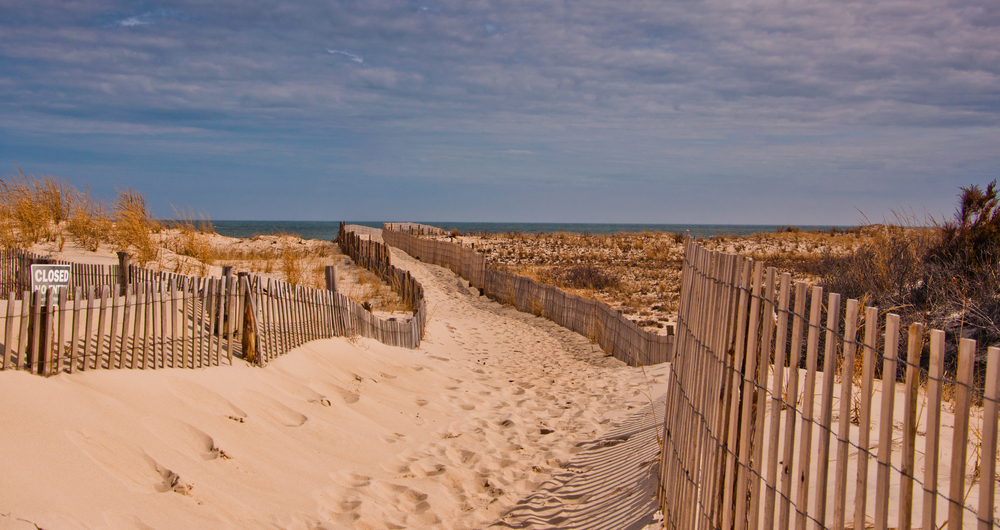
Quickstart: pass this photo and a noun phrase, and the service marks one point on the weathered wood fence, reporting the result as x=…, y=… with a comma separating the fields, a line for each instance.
x=776, y=419
x=166, y=320
x=362, y=230
x=615, y=334
x=464, y=261
x=375, y=257
x=414, y=228
x=172, y=322
x=15, y=271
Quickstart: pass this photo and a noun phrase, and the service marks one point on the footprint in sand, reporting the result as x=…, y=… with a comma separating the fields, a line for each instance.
x=392, y=438
x=183, y=437
x=127, y=463
x=348, y=396
x=274, y=409
x=300, y=391
x=202, y=398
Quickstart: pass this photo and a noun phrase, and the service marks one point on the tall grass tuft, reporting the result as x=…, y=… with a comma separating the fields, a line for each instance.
x=133, y=226
x=31, y=207
x=89, y=219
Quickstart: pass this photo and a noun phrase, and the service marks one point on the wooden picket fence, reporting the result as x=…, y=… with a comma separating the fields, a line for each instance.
x=416, y=229
x=166, y=320
x=375, y=256
x=755, y=438
x=167, y=323
x=363, y=230
x=15, y=270
x=615, y=334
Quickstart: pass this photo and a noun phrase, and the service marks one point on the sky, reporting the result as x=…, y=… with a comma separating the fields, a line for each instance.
x=667, y=111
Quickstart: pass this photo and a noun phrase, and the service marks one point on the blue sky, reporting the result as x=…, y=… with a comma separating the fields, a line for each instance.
x=688, y=111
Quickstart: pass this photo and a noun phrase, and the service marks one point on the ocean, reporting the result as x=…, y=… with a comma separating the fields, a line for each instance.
x=328, y=229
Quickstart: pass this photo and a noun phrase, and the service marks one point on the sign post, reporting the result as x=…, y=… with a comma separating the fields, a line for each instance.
x=46, y=280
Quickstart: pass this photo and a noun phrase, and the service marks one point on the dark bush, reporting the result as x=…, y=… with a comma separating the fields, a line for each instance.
x=972, y=240
x=588, y=277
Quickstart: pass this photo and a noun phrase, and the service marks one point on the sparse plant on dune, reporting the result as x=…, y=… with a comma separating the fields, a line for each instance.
x=31, y=207
x=89, y=220
x=132, y=230
x=291, y=265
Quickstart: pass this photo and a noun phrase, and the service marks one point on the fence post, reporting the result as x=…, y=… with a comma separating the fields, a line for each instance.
x=331, y=278
x=249, y=338
x=124, y=262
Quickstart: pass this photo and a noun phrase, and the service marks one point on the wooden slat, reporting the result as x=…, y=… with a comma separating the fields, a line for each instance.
x=59, y=354
x=148, y=320
x=960, y=434
x=101, y=334
x=127, y=303
x=175, y=318
x=915, y=339
x=35, y=347
x=777, y=389
x=885, y=421
x=792, y=394
x=138, y=309
x=865, y=413
x=931, y=440
x=826, y=407
x=166, y=319
x=808, y=404
x=8, y=342
x=232, y=304
x=210, y=308
x=746, y=397
x=204, y=339
x=844, y=426
x=89, y=329
x=186, y=323
x=114, y=361
x=988, y=449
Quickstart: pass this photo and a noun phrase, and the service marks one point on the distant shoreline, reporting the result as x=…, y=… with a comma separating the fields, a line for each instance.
x=328, y=229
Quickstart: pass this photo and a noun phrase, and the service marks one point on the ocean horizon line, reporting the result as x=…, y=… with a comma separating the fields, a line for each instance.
x=328, y=229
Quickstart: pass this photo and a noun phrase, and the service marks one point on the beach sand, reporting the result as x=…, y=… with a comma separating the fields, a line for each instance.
x=495, y=407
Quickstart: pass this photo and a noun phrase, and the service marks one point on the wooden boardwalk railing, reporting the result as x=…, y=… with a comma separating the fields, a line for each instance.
x=776, y=419
x=615, y=334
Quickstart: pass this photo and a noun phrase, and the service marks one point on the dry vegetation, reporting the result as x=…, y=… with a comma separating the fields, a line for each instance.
x=639, y=274
x=44, y=213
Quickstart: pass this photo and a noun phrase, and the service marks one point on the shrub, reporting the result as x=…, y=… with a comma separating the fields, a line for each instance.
x=972, y=239
x=887, y=269
x=588, y=277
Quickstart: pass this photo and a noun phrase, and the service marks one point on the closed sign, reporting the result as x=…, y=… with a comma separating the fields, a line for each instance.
x=44, y=277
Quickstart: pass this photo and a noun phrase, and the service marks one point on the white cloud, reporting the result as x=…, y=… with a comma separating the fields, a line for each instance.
x=351, y=56
x=133, y=21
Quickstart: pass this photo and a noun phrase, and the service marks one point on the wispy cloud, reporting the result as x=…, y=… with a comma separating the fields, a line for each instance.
x=133, y=21
x=351, y=56
x=682, y=97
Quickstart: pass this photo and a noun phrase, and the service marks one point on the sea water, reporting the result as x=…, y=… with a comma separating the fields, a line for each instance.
x=328, y=229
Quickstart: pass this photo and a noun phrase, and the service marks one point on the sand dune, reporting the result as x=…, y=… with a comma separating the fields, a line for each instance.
x=339, y=433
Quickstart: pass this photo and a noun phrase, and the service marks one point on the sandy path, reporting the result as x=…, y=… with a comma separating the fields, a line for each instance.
x=533, y=395
x=335, y=434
